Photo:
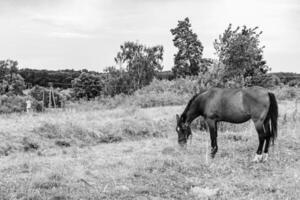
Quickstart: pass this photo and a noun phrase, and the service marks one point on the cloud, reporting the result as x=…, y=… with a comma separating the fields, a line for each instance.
x=32, y=27
x=69, y=35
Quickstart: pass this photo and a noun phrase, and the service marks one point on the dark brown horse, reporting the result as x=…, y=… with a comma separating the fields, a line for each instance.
x=234, y=106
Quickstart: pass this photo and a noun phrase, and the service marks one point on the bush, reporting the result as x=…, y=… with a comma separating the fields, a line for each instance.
x=188, y=85
x=88, y=85
x=294, y=83
x=287, y=93
x=153, y=99
x=164, y=92
x=67, y=94
x=10, y=104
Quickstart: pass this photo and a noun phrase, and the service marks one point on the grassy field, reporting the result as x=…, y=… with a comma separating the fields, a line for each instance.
x=132, y=153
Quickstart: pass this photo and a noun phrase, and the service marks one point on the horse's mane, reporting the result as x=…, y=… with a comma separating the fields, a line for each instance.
x=189, y=103
x=183, y=115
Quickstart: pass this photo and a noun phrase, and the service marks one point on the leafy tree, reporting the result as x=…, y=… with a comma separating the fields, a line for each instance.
x=10, y=81
x=240, y=52
x=116, y=81
x=213, y=77
x=141, y=62
x=88, y=85
x=187, y=61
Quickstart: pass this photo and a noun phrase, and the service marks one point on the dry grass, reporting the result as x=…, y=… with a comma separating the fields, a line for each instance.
x=145, y=163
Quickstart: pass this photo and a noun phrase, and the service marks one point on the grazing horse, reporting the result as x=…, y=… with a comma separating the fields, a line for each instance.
x=234, y=106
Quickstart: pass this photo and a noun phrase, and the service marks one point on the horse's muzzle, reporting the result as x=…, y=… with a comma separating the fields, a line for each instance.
x=182, y=144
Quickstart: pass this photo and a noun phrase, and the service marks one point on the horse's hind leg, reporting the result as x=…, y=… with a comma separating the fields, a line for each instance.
x=261, y=137
x=267, y=129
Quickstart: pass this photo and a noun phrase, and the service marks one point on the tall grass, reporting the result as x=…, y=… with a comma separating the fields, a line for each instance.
x=77, y=127
x=62, y=160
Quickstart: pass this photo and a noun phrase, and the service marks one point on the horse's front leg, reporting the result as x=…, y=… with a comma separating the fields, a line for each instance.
x=212, y=125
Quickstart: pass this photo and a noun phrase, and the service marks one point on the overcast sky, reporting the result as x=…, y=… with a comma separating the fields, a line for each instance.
x=60, y=34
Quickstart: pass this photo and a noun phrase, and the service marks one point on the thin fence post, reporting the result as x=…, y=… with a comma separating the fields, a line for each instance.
x=53, y=97
x=43, y=104
x=50, y=103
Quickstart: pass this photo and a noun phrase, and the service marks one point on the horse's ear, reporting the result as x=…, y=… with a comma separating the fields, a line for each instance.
x=177, y=118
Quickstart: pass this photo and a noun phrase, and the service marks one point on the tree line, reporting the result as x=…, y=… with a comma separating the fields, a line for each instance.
x=239, y=61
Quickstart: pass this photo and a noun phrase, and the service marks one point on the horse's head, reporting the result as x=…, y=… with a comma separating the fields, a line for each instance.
x=183, y=130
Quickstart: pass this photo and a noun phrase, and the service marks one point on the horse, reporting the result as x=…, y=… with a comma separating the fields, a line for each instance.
x=234, y=105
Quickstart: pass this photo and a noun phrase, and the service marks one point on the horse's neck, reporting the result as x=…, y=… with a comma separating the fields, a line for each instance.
x=195, y=110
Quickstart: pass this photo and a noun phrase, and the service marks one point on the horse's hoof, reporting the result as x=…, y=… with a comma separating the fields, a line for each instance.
x=265, y=157
x=212, y=155
x=257, y=158
x=213, y=152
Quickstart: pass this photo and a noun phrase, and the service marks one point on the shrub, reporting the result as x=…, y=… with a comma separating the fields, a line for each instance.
x=9, y=104
x=67, y=94
x=294, y=83
x=188, y=85
x=153, y=99
x=14, y=103
x=164, y=92
x=286, y=93
x=88, y=85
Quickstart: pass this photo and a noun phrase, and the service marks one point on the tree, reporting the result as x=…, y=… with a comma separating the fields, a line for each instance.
x=88, y=85
x=213, y=77
x=240, y=52
x=187, y=61
x=141, y=62
x=116, y=81
x=10, y=81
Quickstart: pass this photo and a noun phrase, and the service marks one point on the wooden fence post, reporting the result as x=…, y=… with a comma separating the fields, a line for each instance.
x=50, y=95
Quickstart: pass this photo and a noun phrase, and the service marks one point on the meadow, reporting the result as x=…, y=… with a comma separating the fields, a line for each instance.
x=89, y=151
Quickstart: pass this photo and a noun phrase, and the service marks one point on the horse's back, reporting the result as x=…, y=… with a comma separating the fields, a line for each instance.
x=225, y=104
x=255, y=93
x=236, y=104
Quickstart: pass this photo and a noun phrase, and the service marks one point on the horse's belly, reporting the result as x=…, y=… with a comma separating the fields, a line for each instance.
x=233, y=110
x=236, y=118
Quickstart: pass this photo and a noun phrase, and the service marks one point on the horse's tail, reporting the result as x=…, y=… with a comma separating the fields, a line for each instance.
x=273, y=116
